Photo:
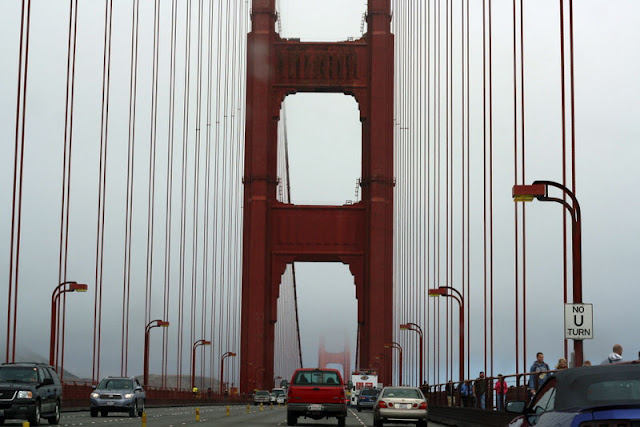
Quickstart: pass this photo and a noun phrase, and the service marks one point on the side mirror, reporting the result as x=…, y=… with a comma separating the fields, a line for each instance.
x=93, y=387
x=516, y=406
x=47, y=381
x=139, y=388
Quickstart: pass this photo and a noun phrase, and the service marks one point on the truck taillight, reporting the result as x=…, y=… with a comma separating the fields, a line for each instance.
x=382, y=404
x=423, y=405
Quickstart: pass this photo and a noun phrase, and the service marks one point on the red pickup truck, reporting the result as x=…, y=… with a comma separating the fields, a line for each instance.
x=316, y=394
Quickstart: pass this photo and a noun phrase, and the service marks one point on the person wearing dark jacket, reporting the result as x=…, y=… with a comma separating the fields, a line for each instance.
x=479, y=390
x=535, y=381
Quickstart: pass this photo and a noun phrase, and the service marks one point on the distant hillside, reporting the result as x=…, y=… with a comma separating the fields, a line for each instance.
x=26, y=355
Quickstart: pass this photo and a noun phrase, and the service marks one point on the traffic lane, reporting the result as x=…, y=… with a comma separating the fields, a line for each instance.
x=365, y=418
x=212, y=415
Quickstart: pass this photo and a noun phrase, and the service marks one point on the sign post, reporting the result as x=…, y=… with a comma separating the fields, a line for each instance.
x=578, y=321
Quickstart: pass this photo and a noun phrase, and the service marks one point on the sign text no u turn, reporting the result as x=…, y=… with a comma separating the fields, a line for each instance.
x=578, y=321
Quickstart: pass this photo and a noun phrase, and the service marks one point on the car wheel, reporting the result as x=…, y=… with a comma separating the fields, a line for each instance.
x=133, y=412
x=359, y=408
x=1, y=421
x=291, y=419
x=94, y=412
x=377, y=422
x=341, y=421
x=56, y=416
x=141, y=410
x=421, y=423
x=35, y=420
x=104, y=413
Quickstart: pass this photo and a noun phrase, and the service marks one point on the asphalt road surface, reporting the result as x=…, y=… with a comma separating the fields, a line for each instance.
x=209, y=415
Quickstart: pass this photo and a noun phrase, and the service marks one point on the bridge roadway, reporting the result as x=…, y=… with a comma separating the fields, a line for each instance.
x=209, y=415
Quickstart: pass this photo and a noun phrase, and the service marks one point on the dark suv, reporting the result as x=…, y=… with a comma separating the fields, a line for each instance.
x=118, y=394
x=30, y=391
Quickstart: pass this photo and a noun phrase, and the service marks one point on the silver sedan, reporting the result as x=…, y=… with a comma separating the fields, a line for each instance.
x=400, y=405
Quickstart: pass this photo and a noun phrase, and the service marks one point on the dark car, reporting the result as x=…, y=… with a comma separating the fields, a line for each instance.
x=607, y=395
x=367, y=398
x=118, y=394
x=30, y=391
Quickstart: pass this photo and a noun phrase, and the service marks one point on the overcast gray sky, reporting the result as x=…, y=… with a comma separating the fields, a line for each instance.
x=324, y=135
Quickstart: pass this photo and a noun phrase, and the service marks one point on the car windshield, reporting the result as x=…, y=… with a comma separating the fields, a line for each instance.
x=278, y=392
x=262, y=393
x=19, y=375
x=317, y=378
x=614, y=387
x=406, y=393
x=369, y=392
x=115, y=384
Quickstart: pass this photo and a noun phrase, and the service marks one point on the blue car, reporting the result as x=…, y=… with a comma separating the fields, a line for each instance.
x=591, y=396
x=367, y=398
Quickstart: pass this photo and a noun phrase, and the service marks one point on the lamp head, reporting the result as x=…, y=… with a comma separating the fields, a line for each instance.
x=162, y=323
x=526, y=193
x=78, y=287
x=436, y=292
x=405, y=326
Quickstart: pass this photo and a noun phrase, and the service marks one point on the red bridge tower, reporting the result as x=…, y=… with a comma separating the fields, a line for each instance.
x=275, y=234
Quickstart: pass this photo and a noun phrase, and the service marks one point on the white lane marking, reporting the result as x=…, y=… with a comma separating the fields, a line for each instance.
x=357, y=417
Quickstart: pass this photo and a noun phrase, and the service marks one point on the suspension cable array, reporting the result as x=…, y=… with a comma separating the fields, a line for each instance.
x=451, y=95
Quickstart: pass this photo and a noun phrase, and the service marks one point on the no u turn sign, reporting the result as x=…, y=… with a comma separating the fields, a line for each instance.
x=578, y=321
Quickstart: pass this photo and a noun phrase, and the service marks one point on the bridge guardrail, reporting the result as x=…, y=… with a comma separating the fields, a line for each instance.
x=517, y=390
x=76, y=396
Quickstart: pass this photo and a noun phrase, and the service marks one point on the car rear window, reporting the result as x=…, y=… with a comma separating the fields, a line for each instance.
x=406, y=393
x=317, y=378
x=369, y=392
x=611, y=385
x=614, y=391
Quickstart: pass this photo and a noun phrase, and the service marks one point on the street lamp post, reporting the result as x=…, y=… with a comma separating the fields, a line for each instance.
x=398, y=347
x=193, y=360
x=224, y=356
x=414, y=327
x=445, y=291
x=153, y=324
x=538, y=190
x=59, y=290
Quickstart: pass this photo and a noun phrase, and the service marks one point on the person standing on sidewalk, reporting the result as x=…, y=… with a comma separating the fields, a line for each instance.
x=536, y=380
x=501, y=388
x=480, y=390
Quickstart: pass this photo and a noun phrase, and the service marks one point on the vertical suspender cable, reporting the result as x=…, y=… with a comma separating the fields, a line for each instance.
x=468, y=296
x=484, y=167
x=524, y=228
x=66, y=156
x=491, y=176
x=18, y=172
x=515, y=205
x=102, y=189
x=169, y=189
x=185, y=155
x=126, y=289
x=563, y=89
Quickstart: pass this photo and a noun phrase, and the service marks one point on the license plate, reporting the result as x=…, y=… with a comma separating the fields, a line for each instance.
x=403, y=405
x=111, y=403
x=316, y=407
